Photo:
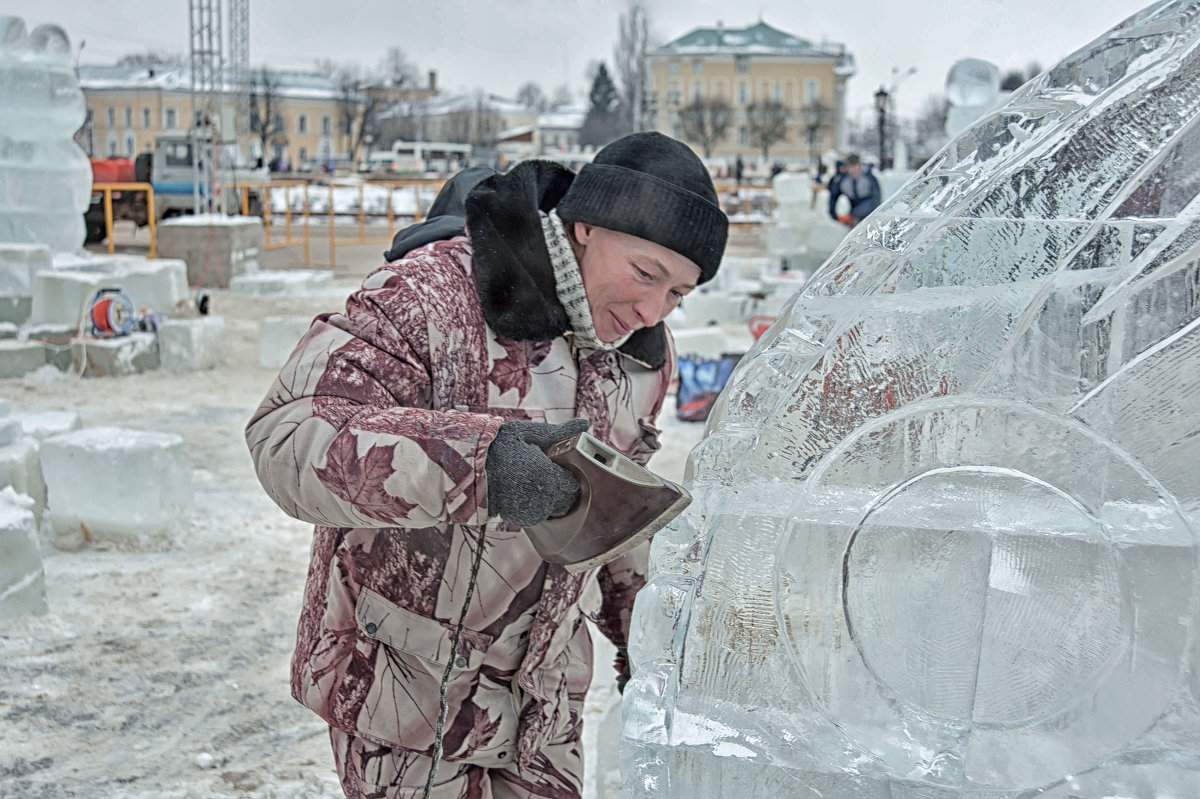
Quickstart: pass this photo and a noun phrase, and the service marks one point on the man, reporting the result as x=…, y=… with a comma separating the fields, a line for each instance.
x=410, y=430
x=861, y=188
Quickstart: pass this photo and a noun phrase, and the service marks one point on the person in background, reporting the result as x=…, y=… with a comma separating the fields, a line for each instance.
x=410, y=430
x=858, y=186
x=839, y=170
x=739, y=169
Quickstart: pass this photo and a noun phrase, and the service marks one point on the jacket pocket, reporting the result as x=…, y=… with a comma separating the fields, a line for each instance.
x=425, y=639
x=402, y=706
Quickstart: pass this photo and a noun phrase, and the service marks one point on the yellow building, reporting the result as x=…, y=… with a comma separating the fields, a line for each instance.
x=128, y=106
x=762, y=82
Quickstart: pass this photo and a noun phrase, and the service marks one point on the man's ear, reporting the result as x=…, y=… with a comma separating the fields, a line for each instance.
x=583, y=232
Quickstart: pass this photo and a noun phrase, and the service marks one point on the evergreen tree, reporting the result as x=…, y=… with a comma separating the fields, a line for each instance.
x=603, y=96
x=603, y=120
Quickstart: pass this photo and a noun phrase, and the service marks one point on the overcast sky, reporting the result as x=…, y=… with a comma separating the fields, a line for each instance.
x=499, y=44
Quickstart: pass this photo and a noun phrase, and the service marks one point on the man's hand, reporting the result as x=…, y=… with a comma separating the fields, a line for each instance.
x=525, y=487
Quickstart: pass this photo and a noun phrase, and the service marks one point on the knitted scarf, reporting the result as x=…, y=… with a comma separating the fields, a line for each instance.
x=568, y=283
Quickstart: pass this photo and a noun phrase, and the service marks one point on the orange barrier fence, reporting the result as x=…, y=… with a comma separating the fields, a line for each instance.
x=306, y=216
x=108, y=189
x=748, y=205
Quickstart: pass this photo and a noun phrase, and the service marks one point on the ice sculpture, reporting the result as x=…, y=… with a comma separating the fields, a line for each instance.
x=972, y=89
x=45, y=178
x=944, y=535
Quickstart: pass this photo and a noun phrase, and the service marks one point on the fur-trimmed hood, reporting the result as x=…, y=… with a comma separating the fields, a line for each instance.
x=512, y=266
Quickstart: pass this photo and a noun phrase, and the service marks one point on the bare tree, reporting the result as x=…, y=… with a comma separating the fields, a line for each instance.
x=929, y=128
x=705, y=122
x=815, y=119
x=403, y=120
x=488, y=122
x=356, y=107
x=531, y=96
x=632, y=66
x=1014, y=79
x=151, y=59
x=458, y=126
x=396, y=70
x=478, y=123
x=562, y=96
x=264, y=110
x=768, y=124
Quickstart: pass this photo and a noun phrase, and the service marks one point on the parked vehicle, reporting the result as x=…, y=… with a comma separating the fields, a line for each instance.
x=421, y=157
x=169, y=169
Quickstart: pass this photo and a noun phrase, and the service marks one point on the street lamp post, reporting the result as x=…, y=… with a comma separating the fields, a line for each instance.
x=881, y=101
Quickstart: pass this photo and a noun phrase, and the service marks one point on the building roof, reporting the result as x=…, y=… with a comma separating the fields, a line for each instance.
x=288, y=83
x=757, y=39
x=442, y=104
x=563, y=117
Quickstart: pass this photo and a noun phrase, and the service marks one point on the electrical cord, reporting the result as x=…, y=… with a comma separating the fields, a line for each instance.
x=439, y=730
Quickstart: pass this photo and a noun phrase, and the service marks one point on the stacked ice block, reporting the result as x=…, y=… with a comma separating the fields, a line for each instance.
x=45, y=178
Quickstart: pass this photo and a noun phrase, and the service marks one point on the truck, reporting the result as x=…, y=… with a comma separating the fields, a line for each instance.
x=169, y=169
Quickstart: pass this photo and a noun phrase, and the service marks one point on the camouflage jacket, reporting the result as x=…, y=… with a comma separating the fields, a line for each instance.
x=377, y=430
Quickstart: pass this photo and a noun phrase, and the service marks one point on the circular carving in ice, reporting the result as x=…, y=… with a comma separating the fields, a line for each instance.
x=1013, y=599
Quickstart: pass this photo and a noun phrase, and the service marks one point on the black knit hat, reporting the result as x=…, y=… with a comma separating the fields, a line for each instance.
x=654, y=187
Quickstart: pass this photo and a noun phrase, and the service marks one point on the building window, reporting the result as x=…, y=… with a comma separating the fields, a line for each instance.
x=673, y=66
x=697, y=66
x=812, y=90
x=326, y=126
x=128, y=117
x=277, y=123
x=741, y=63
x=145, y=117
x=697, y=90
x=674, y=94
x=743, y=136
x=303, y=153
x=169, y=118
x=777, y=94
x=130, y=144
x=743, y=93
x=112, y=117
x=302, y=126
x=111, y=141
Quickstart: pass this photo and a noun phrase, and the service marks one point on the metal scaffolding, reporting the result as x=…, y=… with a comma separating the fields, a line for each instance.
x=208, y=67
x=239, y=66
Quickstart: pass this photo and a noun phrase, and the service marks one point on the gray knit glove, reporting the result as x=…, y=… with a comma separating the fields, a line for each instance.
x=524, y=486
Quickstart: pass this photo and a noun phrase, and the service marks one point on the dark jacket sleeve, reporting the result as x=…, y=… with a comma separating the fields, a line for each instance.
x=835, y=191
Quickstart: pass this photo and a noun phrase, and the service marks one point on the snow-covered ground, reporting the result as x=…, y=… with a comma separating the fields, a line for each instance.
x=164, y=673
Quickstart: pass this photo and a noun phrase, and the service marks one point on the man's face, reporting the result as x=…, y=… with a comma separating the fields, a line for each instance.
x=854, y=169
x=631, y=283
